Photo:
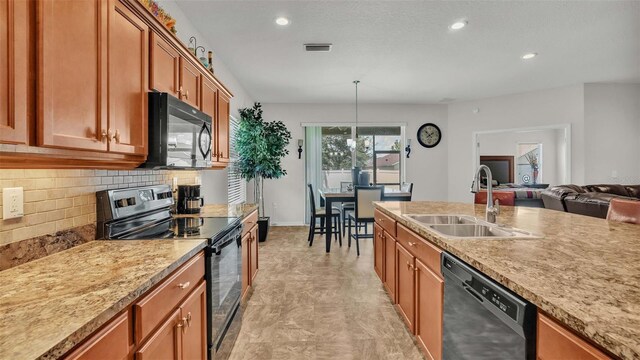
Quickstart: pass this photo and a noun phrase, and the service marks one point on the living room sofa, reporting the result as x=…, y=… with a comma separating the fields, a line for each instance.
x=590, y=200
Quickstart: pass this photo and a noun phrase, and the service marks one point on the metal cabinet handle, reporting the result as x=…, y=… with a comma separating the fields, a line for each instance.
x=187, y=95
x=185, y=285
x=410, y=266
x=107, y=134
x=188, y=318
x=412, y=244
x=117, y=136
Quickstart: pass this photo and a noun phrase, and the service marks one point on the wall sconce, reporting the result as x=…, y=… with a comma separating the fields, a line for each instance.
x=300, y=143
x=408, y=148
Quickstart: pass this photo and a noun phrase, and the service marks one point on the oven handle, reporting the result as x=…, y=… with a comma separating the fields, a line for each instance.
x=233, y=236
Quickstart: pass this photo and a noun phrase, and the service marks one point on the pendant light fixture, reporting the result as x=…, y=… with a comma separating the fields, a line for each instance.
x=351, y=142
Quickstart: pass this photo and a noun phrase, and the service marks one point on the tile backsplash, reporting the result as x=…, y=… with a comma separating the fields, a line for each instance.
x=56, y=200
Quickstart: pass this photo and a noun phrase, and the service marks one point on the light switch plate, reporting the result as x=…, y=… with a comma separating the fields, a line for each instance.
x=12, y=203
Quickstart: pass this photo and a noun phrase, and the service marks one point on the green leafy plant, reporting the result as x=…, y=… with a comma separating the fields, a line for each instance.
x=261, y=145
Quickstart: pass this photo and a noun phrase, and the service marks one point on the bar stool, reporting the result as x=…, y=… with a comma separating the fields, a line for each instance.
x=363, y=215
x=320, y=213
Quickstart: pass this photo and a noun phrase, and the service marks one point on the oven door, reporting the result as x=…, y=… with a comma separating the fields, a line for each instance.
x=188, y=137
x=224, y=285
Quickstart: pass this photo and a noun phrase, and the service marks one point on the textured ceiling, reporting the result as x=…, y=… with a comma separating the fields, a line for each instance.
x=403, y=51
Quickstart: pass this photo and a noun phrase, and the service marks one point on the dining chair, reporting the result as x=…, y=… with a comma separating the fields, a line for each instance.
x=346, y=186
x=407, y=188
x=321, y=213
x=363, y=214
x=624, y=210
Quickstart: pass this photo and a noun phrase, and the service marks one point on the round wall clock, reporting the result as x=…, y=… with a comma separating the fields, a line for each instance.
x=429, y=135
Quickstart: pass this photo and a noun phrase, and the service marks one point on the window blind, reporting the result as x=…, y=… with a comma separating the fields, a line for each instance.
x=237, y=187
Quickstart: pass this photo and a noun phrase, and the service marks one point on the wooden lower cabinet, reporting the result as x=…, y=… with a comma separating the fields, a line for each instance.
x=112, y=342
x=193, y=313
x=253, y=258
x=246, y=270
x=429, y=310
x=378, y=250
x=165, y=342
x=406, y=295
x=389, y=268
x=554, y=341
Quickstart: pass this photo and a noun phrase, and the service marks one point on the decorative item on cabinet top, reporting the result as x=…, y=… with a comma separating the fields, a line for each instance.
x=194, y=47
x=160, y=14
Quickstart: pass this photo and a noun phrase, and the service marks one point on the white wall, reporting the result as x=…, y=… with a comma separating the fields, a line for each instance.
x=506, y=143
x=214, y=182
x=426, y=168
x=612, y=133
x=548, y=107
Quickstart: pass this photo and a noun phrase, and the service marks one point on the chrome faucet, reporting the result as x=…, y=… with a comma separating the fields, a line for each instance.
x=492, y=211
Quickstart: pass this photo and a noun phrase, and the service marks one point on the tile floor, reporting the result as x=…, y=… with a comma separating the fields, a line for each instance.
x=311, y=305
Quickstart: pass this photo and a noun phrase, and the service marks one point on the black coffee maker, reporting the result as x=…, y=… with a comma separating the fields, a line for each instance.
x=189, y=200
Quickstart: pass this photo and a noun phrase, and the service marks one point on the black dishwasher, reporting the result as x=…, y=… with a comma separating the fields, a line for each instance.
x=482, y=319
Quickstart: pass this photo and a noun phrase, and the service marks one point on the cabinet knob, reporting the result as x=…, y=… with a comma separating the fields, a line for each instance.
x=411, y=243
x=187, y=95
x=117, y=136
x=108, y=135
x=184, y=285
x=188, y=318
x=409, y=266
x=221, y=154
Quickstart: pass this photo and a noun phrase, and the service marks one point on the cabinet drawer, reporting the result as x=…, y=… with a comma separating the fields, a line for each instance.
x=556, y=342
x=154, y=307
x=386, y=222
x=249, y=222
x=112, y=342
x=420, y=248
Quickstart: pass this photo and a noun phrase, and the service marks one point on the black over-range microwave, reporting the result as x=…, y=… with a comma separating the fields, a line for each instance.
x=179, y=134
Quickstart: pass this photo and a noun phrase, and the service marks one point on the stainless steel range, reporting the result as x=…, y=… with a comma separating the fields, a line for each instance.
x=145, y=213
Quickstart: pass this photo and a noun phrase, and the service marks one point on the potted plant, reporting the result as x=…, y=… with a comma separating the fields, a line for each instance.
x=261, y=145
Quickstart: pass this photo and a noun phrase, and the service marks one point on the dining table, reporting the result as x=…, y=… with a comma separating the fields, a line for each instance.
x=331, y=196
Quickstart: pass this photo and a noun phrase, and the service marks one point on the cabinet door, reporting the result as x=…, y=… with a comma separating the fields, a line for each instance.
x=429, y=302
x=14, y=71
x=389, y=273
x=128, y=61
x=246, y=266
x=378, y=250
x=189, y=83
x=556, y=342
x=112, y=342
x=223, y=128
x=164, y=71
x=165, y=343
x=406, y=285
x=193, y=311
x=72, y=74
x=254, y=254
x=208, y=105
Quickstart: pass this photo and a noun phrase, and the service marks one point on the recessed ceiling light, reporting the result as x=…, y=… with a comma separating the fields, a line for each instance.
x=529, y=56
x=458, y=25
x=282, y=21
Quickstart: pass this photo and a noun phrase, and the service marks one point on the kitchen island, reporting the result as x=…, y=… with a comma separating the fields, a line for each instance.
x=583, y=271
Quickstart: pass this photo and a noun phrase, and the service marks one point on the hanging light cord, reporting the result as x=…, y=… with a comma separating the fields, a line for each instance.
x=356, y=82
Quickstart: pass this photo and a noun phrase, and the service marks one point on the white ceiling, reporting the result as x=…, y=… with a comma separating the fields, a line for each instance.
x=404, y=52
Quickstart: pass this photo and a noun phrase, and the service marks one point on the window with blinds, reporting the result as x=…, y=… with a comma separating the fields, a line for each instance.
x=237, y=190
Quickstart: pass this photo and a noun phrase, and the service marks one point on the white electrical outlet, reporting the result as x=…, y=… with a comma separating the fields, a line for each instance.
x=174, y=183
x=12, y=203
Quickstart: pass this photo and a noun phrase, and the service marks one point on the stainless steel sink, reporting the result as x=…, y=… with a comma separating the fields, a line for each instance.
x=480, y=230
x=443, y=219
x=465, y=226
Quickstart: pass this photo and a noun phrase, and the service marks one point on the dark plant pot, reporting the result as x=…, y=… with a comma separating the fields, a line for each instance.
x=263, y=228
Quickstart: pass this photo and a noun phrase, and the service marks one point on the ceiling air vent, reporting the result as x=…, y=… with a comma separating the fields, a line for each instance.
x=317, y=47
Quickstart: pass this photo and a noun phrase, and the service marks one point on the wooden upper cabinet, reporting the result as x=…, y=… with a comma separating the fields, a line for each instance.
x=166, y=342
x=190, y=80
x=208, y=105
x=193, y=312
x=554, y=341
x=429, y=311
x=128, y=80
x=72, y=74
x=164, y=66
x=223, y=128
x=14, y=71
x=112, y=342
x=406, y=285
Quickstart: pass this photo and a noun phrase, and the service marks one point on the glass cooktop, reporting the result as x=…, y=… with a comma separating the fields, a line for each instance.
x=188, y=228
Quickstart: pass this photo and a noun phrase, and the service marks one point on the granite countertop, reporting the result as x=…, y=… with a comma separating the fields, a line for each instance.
x=223, y=210
x=584, y=271
x=51, y=304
